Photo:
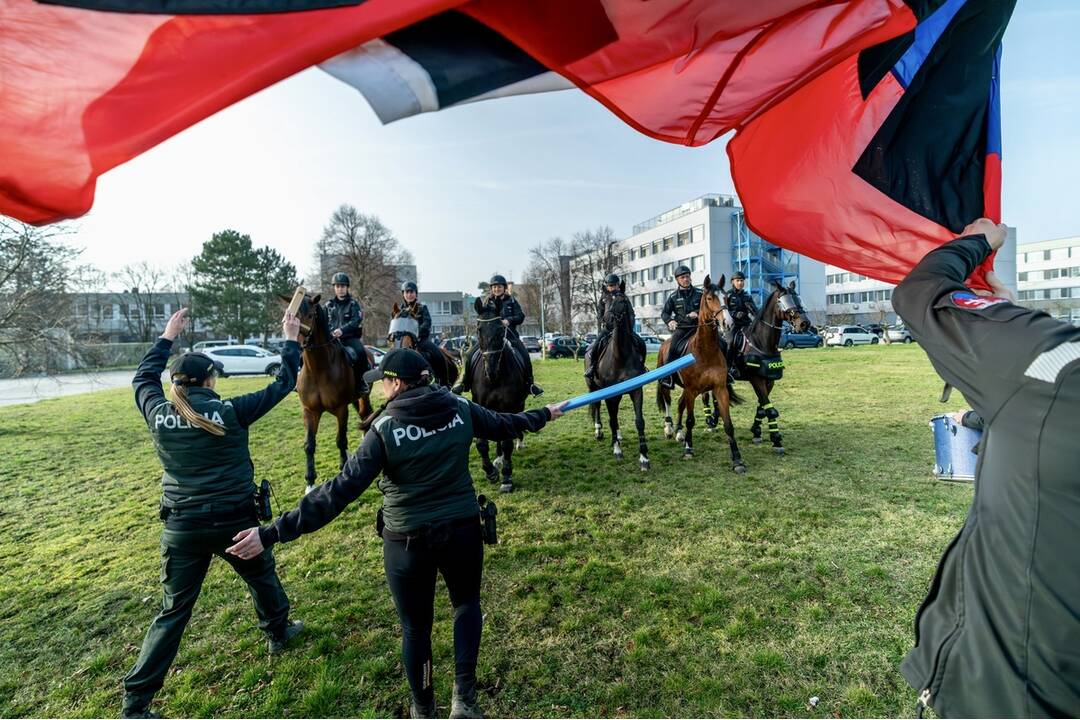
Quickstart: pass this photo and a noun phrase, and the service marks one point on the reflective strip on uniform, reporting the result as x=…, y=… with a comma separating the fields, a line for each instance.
x=1048, y=366
x=381, y=421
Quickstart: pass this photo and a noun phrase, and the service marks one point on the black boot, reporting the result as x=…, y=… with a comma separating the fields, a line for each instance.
x=422, y=709
x=464, y=704
x=280, y=639
x=137, y=706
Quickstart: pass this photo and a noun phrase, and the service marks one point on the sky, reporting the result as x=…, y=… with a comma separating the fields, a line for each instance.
x=470, y=189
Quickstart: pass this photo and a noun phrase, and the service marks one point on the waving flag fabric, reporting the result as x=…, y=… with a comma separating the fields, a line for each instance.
x=866, y=130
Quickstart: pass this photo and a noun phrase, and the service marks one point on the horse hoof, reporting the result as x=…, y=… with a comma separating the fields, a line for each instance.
x=644, y=465
x=739, y=468
x=668, y=432
x=680, y=436
x=492, y=477
x=756, y=440
x=599, y=436
x=507, y=487
x=688, y=455
x=778, y=449
x=519, y=445
x=309, y=488
x=498, y=462
x=618, y=455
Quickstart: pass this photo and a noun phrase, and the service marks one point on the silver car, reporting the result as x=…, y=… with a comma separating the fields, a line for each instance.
x=898, y=334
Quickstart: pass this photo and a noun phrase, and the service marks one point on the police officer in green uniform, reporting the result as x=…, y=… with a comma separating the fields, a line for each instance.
x=430, y=520
x=680, y=314
x=346, y=319
x=208, y=495
x=999, y=632
x=740, y=304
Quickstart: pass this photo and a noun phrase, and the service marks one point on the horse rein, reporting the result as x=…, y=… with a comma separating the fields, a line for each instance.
x=505, y=340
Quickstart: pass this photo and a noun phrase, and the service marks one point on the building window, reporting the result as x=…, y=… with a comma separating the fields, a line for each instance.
x=697, y=233
x=633, y=254
x=658, y=298
x=1046, y=254
x=669, y=242
x=1021, y=277
x=888, y=294
x=669, y=269
x=643, y=251
x=683, y=239
x=1051, y=274
x=698, y=263
x=107, y=312
x=655, y=247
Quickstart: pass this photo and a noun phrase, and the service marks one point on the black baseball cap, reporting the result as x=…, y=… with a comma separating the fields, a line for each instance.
x=402, y=363
x=196, y=366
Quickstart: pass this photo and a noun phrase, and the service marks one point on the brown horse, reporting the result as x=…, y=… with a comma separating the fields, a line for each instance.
x=327, y=382
x=404, y=335
x=709, y=373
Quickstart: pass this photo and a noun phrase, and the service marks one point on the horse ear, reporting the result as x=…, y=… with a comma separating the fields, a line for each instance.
x=708, y=283
x=777, y=285
x=315, y=300
x=479, y=305
x=791, y=286
x=723, y=279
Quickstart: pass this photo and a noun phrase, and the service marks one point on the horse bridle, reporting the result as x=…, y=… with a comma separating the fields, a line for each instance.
x=505, y=340
x=791, y=308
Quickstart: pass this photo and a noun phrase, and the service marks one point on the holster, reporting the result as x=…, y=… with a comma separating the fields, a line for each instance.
x=380, y=525
x=263, y=511
x=488, y=525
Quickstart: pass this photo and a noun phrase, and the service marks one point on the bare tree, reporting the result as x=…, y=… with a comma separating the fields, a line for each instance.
x=37, y=270
x=595, y=255
x=548, y=266
x=367, y=250
x=142, y=285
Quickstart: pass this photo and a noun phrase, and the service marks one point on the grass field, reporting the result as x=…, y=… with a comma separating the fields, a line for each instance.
x=683, y=591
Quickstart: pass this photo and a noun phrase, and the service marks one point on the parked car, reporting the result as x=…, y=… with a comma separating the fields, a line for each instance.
x=531, y=343
x=899, y=334
x=790, y=339
x=565, y=347
x=204, y=345
x=652, y=343
x=875, y=328
x=590, y=337
x=245, y=360
x=848, y=335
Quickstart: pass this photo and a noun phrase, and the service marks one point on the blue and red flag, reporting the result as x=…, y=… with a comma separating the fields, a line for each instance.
x=866, y=131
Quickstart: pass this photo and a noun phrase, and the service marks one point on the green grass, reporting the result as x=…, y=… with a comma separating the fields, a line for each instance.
x=686, y=591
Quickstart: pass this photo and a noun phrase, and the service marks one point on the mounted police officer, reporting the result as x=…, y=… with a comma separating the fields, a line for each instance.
x=505, y=306
x=430, y=520
x=412, y=308
x=999, y=632
x=346, y=319
x=612, y=291
x=208, y=496
x=743, y=310
x=680, y=315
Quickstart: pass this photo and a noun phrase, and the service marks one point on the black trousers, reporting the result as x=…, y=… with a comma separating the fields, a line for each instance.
x=411, y=567
x=186, y=551
x=361, y=351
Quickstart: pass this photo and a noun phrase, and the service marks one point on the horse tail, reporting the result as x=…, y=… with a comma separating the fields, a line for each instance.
x=734, y=397
x=663, y=398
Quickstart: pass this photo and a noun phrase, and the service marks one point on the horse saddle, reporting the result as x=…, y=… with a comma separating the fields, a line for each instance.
x=350, y=354
x=679, y=349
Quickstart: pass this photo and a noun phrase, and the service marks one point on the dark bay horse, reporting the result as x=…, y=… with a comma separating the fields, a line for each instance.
x=406, y=335
x=763, y=340
x=622, y=358
x=327, y=382
x=498, y=383
x=708, y=374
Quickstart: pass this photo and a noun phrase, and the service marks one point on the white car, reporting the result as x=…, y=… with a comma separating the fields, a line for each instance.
x=898, y=334
x=848, y=335
x=652, y=343
x=245, y=360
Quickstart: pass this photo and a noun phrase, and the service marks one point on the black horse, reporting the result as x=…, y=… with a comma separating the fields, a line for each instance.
x=762, y=341
x=498, y=384
x=622, y=357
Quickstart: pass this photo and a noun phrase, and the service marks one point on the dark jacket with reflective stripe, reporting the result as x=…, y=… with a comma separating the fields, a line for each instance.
x=999, y=632
x=680, y=304
x=740, y=304
x=345, y=315
x=421, y=445
x=204, y=472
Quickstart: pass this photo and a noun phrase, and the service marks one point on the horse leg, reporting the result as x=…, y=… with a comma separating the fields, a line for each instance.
x=311, y=424
x=755, y=429
x=506, y=447
x=663, y=402
x=773, y=416
x=688, y=403
x=637, y=397
x=613, y=423
x=709, y=402
x=683, y=407
x=724, y=401
x=485, y=460
x=598, y=429
x=519, y=444
x=342, y=415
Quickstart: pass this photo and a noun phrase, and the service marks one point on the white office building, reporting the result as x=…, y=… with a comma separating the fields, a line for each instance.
x=710, y=236
x=1048, y=277
x=857, y=299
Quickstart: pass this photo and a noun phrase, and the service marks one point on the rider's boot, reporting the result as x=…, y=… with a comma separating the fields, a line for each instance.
x=588, y=366
x=465, y=384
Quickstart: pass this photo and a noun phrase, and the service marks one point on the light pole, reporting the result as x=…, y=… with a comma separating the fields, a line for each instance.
x=543, y=339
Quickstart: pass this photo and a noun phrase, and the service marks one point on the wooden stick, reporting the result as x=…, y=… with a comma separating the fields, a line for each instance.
x=294, y=304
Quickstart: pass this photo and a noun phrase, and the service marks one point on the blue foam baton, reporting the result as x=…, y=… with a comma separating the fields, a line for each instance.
x=627, y=385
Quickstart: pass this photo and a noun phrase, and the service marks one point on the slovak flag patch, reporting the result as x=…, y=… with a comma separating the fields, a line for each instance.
x=971, y=301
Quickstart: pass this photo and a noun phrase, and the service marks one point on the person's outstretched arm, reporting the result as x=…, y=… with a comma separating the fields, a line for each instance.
x=147, y=381
x=253, y=406
x=489, y=425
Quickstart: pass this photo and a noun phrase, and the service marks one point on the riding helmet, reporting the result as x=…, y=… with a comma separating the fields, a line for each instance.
x=682, y=270
x=738, y=276
x=497, y=280
x=611, y=279
x=408, y=285
x=340, y=279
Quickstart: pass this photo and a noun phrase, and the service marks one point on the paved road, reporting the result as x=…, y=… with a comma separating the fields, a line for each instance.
x=32, y=389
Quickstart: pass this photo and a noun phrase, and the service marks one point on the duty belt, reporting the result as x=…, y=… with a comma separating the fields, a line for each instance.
x=427, y=531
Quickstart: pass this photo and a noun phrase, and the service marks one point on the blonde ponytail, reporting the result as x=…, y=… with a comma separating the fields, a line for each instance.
x=183, y=406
